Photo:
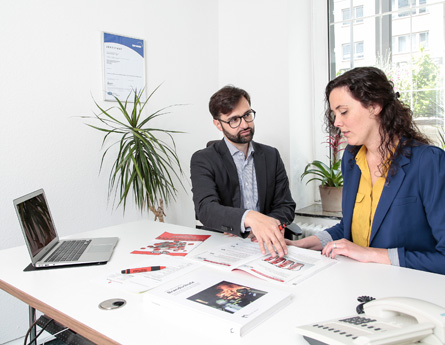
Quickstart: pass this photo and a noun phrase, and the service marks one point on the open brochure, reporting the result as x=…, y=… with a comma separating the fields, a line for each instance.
x=172, y=244
x=227, y=303
x=245, y=255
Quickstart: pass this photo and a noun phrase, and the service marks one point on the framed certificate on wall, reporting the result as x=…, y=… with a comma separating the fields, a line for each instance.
x=124, y=66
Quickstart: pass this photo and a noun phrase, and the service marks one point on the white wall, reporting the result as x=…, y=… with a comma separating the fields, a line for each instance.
x=51, y=68
x=309, y=74
x=274, y=49
x=254, y=55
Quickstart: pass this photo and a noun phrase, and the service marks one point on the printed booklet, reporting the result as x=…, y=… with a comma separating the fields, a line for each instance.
x=243, y=254
x=172, y=244
x=224, y=302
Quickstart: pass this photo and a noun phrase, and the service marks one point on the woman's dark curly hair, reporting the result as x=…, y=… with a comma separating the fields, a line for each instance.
x=370, y=86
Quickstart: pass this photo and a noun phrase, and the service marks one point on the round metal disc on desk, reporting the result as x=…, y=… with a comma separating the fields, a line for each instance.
x=113, y=303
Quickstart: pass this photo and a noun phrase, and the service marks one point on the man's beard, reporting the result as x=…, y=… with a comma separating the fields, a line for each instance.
x=238, y=139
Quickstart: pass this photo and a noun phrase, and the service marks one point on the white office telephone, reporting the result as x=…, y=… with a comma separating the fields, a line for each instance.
x=395, y=320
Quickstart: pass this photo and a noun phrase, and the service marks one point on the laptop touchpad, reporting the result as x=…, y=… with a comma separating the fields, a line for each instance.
x=100, y=248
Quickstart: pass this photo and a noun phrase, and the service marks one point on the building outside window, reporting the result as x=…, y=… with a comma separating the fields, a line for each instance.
x=405, y=43
x=406, y=7
x=358, y=50
x=358, y=15
x=405, y=38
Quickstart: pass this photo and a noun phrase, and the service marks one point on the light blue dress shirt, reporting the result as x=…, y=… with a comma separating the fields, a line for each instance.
x=245, y=168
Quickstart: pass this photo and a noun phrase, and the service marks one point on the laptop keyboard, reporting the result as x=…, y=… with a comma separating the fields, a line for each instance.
x=69, y=251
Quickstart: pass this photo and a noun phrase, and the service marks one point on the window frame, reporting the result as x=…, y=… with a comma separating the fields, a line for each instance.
x=406, y=47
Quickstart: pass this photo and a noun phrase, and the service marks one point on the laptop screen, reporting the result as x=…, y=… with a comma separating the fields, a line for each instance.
x=36, y=222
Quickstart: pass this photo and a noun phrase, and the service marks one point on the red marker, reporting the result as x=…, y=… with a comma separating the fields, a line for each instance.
x=281, y=227
x=142, y=269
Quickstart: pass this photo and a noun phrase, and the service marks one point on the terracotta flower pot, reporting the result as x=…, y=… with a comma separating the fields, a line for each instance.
x=331, y=198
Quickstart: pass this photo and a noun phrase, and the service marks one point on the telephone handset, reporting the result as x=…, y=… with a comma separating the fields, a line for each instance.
x=394, y=320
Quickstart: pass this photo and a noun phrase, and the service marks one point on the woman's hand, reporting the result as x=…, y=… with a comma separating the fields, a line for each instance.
x=311, y=242
x=356, y=252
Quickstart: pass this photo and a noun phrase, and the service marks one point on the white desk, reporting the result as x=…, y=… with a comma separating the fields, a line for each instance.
x=71, y=296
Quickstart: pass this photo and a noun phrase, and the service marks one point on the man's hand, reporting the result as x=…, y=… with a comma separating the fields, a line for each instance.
x=268, y=233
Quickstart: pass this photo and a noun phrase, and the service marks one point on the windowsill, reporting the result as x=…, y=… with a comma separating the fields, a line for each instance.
x=316, y=211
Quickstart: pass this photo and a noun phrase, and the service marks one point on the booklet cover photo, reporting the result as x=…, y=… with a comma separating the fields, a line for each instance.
x=227, y=302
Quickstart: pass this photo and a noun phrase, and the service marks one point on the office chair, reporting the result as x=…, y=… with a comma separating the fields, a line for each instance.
x=293, y=231
x=211, y=142
x=199, y=225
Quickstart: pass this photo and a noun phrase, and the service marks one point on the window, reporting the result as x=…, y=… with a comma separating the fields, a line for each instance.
x=405, y=38
x=407, y=7
x=346, y=48
x=404, y=4
x=358, y=15
x=402, y=44
x=410, y=43
x=358, y=51
x=346, y=13
x=423, y=40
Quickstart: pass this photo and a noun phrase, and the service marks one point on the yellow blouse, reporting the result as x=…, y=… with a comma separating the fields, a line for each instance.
x=368, y=197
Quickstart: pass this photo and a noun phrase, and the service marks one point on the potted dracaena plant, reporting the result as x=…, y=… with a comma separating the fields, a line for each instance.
x=144, y=164
x=330, y=176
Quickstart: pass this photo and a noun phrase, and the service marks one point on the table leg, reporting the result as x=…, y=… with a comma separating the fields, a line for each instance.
x=32, y=319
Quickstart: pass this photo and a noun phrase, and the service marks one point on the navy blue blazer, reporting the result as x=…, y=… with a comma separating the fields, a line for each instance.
x=217, y=194
x=410, y=215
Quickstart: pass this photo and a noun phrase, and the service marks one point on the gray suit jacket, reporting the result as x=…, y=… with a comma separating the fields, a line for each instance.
x=216, y=190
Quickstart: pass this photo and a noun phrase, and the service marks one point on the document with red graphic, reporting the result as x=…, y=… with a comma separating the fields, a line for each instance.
x=298, y=265
x=172, y=244
x=243, y=254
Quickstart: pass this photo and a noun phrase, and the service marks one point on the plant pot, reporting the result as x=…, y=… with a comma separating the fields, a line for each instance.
x=331, y=198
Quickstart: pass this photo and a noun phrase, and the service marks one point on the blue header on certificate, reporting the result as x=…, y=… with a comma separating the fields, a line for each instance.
x=133, y=43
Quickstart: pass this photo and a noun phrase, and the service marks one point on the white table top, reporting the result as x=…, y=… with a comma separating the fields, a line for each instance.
x=72, y=295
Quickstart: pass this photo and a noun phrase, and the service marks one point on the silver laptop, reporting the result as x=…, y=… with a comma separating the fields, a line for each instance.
x=42, y=239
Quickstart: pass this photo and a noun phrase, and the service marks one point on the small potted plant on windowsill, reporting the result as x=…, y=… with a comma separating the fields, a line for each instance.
x=330, y=176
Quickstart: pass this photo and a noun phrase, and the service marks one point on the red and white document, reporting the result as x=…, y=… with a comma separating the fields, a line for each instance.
x=172, y=244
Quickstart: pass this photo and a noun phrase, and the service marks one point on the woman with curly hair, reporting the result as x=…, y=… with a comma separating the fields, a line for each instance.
x=394, y=180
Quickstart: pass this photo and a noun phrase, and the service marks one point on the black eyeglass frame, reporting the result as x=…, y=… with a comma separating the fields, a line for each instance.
x=251, y=111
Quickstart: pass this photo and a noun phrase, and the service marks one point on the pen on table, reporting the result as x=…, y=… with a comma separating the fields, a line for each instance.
x=142, y=269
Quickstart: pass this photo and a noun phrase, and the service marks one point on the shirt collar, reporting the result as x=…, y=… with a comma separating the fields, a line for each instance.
x=361, y=161
x=361, y=155
x=233, y=150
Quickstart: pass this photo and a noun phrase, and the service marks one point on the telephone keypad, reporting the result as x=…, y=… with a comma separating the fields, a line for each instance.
x=351, y=327
x=358, y=320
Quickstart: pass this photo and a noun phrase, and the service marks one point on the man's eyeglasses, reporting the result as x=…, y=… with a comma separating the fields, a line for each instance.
x=235, y=121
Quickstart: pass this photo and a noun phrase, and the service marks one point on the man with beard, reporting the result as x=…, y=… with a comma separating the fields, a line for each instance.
x=240, y=187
